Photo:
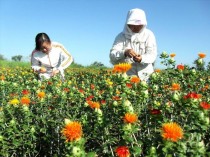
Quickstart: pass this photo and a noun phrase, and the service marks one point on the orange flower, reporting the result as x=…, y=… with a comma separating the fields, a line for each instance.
x=25, y=101
x=93, y=104
x=135, y=79
x=2, y=77
x=41, y=94
x=172, y=131
x=172, y=55
x=202, y=55
x=175, y=86
x=122, y=67
x=205, y=88
x=130, y=118
x=116, y=98
x=72, y=131
x=122, y=151
x=180, y=67
x=157, y=70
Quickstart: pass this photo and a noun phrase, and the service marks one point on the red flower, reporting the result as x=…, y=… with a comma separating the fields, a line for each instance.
x=122, y=151
x=192, y=95
x=129, y=85
x=25, y=92
x=66, y=90
x=81, y=91
x=103, y=101
x=49, y=83
x=89, y=98
x=155, y=111
x=180, y=67
x=205, y=105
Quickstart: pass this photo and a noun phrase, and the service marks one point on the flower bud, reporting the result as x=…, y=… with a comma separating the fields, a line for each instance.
x=145, y=93
x=164, y=54
x=200, y=61
x=98, y=111
x=207, y=120
x=176, y=96
x=155, y=87
x=127, y=127
x=144, y=84
x=127, y=103
x=115, y=103
x=32, y=130
x=130, y=109
x=67, y=121
x=25, y=108
x=76, y=151
x=12, y=122
x=152, y=150
x=1, y=138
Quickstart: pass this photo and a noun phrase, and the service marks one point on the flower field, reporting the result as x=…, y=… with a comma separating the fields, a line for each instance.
x=105, y=113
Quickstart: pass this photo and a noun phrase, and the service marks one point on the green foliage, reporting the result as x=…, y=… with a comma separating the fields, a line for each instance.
x=13, y=64
x=17, y=58
x=2, y=57
x=34, y=129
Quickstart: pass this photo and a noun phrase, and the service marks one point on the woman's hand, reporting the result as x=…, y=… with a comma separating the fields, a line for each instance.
x=137, y=58
x=42, y=70
x=130, y=53
x=55, y=72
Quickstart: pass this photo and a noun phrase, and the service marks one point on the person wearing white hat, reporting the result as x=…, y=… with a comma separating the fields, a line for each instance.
x=49, y=58
x=136, y=45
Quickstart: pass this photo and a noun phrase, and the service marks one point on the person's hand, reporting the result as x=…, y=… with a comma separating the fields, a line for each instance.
x=137, y=58
x=55, y=72
x=130, y=53
x=43, y=70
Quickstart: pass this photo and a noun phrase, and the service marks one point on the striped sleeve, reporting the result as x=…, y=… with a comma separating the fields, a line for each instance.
x=66, y=58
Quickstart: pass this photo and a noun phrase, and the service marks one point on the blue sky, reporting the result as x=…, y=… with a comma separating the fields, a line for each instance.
x=87, y=28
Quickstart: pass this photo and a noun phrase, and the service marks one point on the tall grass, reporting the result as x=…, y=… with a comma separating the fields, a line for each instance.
x=14, y=64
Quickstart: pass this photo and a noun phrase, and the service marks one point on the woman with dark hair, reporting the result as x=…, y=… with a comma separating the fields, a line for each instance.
x=49, y=58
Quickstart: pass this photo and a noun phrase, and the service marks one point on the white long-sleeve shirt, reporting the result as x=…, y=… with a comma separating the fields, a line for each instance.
x=143, y=43
x=57, y=59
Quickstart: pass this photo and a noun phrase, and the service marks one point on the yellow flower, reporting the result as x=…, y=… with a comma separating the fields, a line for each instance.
x=41, y=94
x=14, y=101
x=172, y=131
x=72, y=131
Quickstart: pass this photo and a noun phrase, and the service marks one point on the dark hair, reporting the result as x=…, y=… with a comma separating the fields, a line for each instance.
x=40, y=39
